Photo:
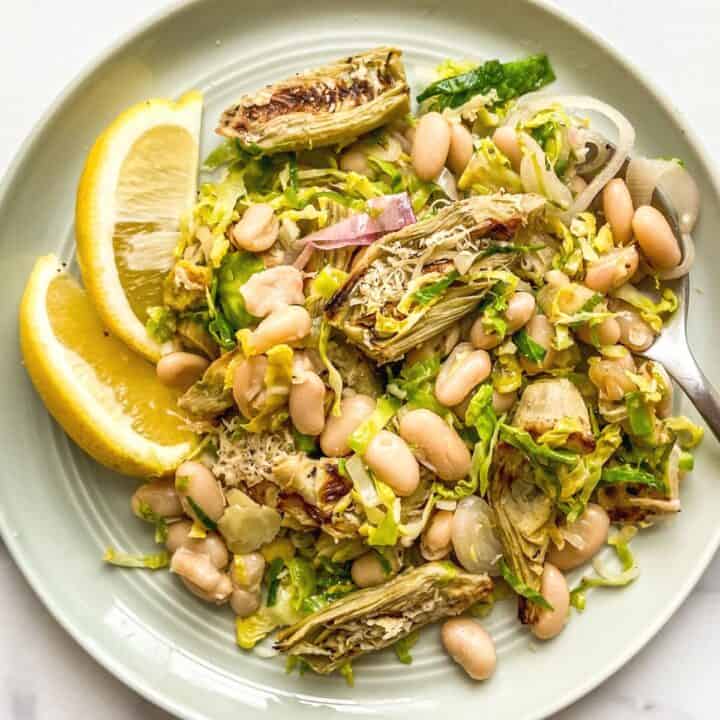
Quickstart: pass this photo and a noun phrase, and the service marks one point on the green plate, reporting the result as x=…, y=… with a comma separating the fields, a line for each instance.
x=59, y=510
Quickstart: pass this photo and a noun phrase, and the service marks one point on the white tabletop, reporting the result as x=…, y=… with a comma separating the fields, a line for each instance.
x=44, y=675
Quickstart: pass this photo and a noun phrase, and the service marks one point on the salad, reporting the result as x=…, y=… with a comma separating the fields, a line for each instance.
x=409, y=344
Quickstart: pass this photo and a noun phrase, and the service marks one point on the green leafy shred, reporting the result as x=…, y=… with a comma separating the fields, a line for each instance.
x=403, y=646
x=304, y=443
x=347, y=672
x=541, y=454
x=235, y=270
x=489, y=171
x=334, y=377
x=481, y=417
x=149, y=562
x=639, y=415
x=161, y=323
x=557, y=437
x=385, y=409
x=433, y=291
x=387, y=531
x=327, y=282
x=415, y=385
x=508, y=80
x=603, y=578
x=521, y=588
x=302, y=579
x=624, y=474
x=207, y=522
x=528, y=347
x=273, y=580
x=688, y=434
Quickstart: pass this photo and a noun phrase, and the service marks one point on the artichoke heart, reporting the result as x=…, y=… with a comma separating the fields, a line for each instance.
x=416, y=282
x=377, y=617
x=525, y=513
x=332, y=105
x=210, y=396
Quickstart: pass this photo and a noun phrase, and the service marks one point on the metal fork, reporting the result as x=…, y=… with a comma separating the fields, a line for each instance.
x=672, y=349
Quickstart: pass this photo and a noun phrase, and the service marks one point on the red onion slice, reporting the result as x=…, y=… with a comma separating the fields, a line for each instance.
x=363, y=229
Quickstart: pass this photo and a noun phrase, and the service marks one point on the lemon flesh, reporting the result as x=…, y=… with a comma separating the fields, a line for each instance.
x=140, y=179
x=105, y=396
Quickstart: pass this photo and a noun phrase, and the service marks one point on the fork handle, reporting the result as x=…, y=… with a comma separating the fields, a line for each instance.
x=702, y=393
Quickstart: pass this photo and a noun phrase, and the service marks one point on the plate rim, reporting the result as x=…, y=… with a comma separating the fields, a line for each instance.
x=86, y=641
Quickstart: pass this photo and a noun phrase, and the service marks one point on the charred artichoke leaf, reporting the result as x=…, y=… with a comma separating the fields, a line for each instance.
x=377, y=617
x=317, y=481
x=416, y=282
x=210, y=396
x=332, y=105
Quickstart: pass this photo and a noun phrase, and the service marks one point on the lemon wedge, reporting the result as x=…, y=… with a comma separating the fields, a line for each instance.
x=140, y=178
x=105, y=396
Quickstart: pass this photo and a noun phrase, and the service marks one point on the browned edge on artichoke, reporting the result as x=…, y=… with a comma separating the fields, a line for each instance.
x=342, y=631
x=331, y=105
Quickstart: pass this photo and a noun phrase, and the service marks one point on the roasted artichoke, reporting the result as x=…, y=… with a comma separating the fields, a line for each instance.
x=377, y=617
x=210, y=396
x=332, y=105
x=418, y=281
x=524, y=511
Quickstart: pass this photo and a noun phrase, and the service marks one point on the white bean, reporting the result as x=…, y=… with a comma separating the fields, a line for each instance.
x=460, y=373
x=555, y=590
x=180, y=369
x=307, y=404
x=540, y=329
x=177, y=533
x=211, y=545
x=469, y=645
x=611, y=379
x=605, y=333
x=338, y=428
x=430, y=146
x=618, y=208
x=656, y=238
x=368, y=571
x=257, y=230
x=389, y=457
x=200, y=575
x=248, y=570
x=634, y=333
x=284, y=326
x=249, y=384
x=592, y=530
x=461, y=148
x=272, y=290
x=436, y=444
x=355, y=160
x=194, y=481
x=244, y=602
x=508, y=143
x=160, y=497
x=436, y=541
x=520, y=309
x=503, y=402
x=556, y=278
x=612, y=270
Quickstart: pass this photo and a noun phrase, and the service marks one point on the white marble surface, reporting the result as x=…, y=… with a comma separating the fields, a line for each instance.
x=44, y=675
